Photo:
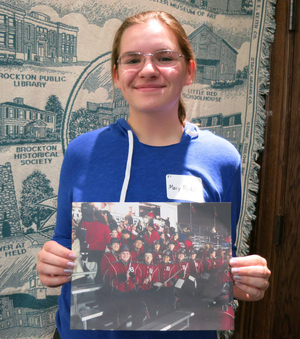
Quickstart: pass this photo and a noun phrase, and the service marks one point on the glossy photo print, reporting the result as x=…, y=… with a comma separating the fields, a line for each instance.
x=151, y=266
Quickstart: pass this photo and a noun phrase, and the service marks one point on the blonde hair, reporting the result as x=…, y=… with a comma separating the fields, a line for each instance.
x=169, y=21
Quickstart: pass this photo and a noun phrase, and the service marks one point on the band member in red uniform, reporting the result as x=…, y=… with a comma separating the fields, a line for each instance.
x=210, y=263
x=188, y=242
x=195, y=265
x=149, y=275
x=167, y=275
x=137, y=249
x=126, y=238
x=151, y=235
x=181, y=265
x=175, y=238
x=115, y=234
x=171, y=248
x=97, y=237
x=157, y=253
x=110, y=257
x=185, y=287
x=123, y=279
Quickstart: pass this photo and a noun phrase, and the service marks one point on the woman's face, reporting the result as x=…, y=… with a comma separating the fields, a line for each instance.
x=152, y=89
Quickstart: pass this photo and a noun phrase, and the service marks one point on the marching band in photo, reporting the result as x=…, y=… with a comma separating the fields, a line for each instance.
x=152, y=266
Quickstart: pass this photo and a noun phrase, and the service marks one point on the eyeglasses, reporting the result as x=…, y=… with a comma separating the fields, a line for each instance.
x=162, y=59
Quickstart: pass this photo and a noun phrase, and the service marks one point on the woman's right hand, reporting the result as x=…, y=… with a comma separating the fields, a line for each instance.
x=55, y=264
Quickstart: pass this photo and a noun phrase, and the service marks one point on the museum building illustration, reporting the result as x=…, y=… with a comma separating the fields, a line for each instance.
x=222, y=6
x=33, y=37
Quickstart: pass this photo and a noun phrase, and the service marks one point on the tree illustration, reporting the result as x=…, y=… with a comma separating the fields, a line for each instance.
x=245, y=72
x=35, y=188
x=82, y=122
x=238, y=74
x=54, y=105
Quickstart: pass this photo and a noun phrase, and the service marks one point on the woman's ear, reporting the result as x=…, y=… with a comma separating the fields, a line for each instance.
x=191, y=72
x=116, y=77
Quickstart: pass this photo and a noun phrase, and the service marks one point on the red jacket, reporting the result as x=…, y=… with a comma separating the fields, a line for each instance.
x=97, y=236
x=166, y=271
x=117, y=274
x=157, y=257
x=188, y=244
x=183, y=268
x=107, y=259
x=153, y=236
x=137, y=256
x=195, y=267
x=150, y=272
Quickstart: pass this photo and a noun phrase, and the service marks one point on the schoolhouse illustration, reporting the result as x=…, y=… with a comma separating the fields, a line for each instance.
x=216, y=59
x=33, y=37
x=17, y=119
x=229, y=126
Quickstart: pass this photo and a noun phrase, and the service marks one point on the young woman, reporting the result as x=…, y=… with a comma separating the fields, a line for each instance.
x=152, y=61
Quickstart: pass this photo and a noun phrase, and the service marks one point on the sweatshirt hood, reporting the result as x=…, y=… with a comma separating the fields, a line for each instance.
x=190, y=132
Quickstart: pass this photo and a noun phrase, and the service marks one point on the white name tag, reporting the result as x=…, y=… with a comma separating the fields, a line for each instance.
x=184, y=187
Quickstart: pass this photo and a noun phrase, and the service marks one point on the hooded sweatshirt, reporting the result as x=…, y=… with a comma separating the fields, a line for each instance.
x=111, y=165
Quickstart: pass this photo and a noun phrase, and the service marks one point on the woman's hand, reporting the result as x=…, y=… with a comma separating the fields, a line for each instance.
x=55, y=264
x=251, y=277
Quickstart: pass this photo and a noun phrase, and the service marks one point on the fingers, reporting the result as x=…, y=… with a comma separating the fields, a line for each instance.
x=249, y=260
x=254, y=271
x=54, y=281
x=257, y=283
x=249, y=293
x=55, y=264
x=251, y=276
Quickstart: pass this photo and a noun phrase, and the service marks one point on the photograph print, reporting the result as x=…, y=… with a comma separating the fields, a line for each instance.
x=151, y=266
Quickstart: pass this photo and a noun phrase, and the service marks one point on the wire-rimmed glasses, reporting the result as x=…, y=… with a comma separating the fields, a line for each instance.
x=136, y=60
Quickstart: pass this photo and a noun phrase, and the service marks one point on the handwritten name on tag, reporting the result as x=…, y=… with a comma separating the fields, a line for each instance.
x=184, y=187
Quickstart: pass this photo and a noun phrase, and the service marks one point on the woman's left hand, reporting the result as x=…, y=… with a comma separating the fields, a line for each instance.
x=251, y=277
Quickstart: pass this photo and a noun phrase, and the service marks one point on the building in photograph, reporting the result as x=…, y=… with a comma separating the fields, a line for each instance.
x=216, y=59
x=34, y=37
x=228, y=127
x=18, y=119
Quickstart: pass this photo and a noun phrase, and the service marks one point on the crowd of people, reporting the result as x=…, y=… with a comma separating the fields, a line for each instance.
x=145, y=272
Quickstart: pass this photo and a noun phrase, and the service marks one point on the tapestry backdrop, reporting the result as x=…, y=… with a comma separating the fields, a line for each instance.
x=55, y=85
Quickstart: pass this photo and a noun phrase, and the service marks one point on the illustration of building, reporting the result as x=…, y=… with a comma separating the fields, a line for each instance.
x=14, y=313
x=33, y=37
x=221, y=6
x=108, y=113
x=16, y=118
x=9, y=212
x=34, y=309
x=6, y=313
x=216, y=59
x=228, y=127
x=36, y=288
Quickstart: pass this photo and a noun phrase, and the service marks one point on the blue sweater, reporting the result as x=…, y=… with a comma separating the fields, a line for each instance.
x=93, y=170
